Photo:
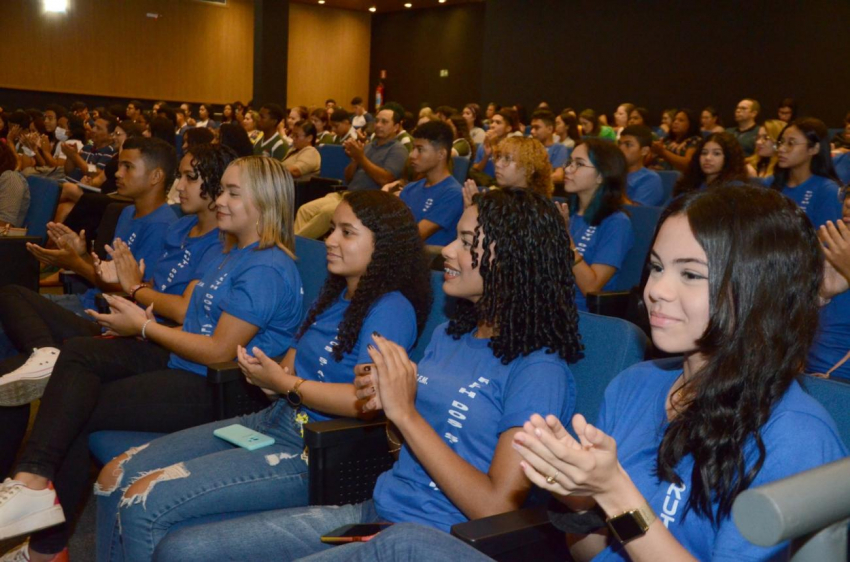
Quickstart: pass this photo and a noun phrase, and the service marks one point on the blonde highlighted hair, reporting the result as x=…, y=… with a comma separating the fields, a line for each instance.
x=531, y=156
x=764, y=166
x=273, y=192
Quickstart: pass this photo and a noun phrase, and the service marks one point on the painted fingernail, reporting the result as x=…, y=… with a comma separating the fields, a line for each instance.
x=370, y=346
x=377, y=335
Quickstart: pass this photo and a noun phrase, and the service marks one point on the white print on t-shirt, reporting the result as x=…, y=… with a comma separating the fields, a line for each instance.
x=581, y=244
x=427, y=206
x=208, y=300
x=187, y=257
x=671, y=504
x=324, y=360
x=457, y=413
x=807, y=197
x=420, y=379
x=130, y=240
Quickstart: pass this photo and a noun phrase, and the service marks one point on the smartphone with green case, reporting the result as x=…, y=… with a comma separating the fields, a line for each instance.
x=244, y=437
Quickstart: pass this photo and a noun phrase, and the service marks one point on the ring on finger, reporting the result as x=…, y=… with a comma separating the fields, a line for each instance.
x=551, y=479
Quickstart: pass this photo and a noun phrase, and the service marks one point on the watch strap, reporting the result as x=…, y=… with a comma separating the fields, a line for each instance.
x=631, y=524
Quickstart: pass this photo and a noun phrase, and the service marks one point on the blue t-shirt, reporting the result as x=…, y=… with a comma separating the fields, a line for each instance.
x=470, y=398
x=392, y=316
x=261, y=287
x=144, y=236
x=818, y=197
x=645, y=188
x=558, y=155
x=832, y=341
x=441, y=203
x=489, y=167
x=799, y=435
x=606, y=244
x=184, y=258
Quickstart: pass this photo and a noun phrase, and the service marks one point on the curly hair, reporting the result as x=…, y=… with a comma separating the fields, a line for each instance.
x=734, y=166
x=398, y=264
x=531, y=156
x=209, y=161
x=529, y=289
x=753, y=238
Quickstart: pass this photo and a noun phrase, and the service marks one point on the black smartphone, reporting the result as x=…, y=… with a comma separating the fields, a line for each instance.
x=354, y=533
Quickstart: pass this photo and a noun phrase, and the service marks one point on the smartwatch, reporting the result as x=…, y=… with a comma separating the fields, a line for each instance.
x=631, y=524
x=294, y=396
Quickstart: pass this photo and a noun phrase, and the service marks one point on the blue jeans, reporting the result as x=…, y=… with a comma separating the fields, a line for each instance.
x=205, y=478
x=404, y=542
x=287, y=534
x=72, y=303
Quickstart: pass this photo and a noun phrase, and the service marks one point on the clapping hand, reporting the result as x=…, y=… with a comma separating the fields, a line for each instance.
x=261, y=370
x=124, y=318
x=555, y=461
x=396, y=379
x=128, y=271
x=365, y=387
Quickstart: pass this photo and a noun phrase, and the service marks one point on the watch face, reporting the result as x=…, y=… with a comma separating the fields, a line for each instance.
x=626, y=527
x=293, y=398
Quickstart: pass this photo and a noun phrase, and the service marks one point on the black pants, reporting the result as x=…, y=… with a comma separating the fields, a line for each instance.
x=30, y=321
x=98, y=384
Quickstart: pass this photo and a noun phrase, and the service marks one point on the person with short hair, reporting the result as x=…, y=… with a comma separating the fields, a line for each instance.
x=341, y=125
x=303, y=160
x=543, y=129
x=643, y=185
x=362, y=119
x=403, y=137
x=134, y=109
x=92, y=158
x=271, y=145
x=372, y=166
x=436, y=200
x=786, y=111
x=746, y=128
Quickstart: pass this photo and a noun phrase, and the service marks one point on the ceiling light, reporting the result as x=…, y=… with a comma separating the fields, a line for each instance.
x=373, y=9
x=57, y=6
x=408, y=5
x=321, y=1
x=442, y=1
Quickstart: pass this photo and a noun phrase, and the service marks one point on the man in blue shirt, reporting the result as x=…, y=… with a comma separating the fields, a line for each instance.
x=543, y=129
x=436, y=200
x=644, y=186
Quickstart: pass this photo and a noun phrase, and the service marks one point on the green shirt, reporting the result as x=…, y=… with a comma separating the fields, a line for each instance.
x=275, y=147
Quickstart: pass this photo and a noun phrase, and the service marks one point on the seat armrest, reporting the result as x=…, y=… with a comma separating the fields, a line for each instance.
x=220, y=373
x=340, y=431
x=524, y=534
x=20, y=266
x=609, y=303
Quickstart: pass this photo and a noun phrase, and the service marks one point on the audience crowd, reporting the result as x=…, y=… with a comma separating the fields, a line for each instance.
x=531, y=216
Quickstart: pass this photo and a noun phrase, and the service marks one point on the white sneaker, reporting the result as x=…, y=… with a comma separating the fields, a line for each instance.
x=23, y=510
x=27, y=382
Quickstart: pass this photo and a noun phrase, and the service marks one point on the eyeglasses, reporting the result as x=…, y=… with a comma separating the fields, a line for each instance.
x=789, y=143
x=570, y=163
x=767, y=140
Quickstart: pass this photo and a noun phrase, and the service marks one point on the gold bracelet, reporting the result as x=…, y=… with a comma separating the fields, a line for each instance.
x=392, y=441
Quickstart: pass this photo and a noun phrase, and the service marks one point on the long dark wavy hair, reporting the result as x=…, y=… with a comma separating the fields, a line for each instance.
x=765, y=267
x=816, y=134
x=734, y=165
x=398, y=264
x=529, y=290
x=610, y=195
x=209, y=162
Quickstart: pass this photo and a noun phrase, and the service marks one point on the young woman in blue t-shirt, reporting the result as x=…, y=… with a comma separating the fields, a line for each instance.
x=719, y=160
x=503, y=356
x=250, y=295
x=378, y=282
x=600, y=232
x=734, y=282
x=804, y=170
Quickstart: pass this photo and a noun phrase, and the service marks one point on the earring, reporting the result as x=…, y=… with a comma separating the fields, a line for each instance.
x=259, y=232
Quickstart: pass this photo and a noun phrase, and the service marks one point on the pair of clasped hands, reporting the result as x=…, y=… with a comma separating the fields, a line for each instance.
x=388, y=383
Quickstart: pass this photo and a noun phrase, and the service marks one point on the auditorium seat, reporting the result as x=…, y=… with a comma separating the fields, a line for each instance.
x=460, y=168
x=334, y=161
x=668, y=181
x=842, y=167
x=44, y=197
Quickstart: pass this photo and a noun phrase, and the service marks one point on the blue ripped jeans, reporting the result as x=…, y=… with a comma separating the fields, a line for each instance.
x=204, y=479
